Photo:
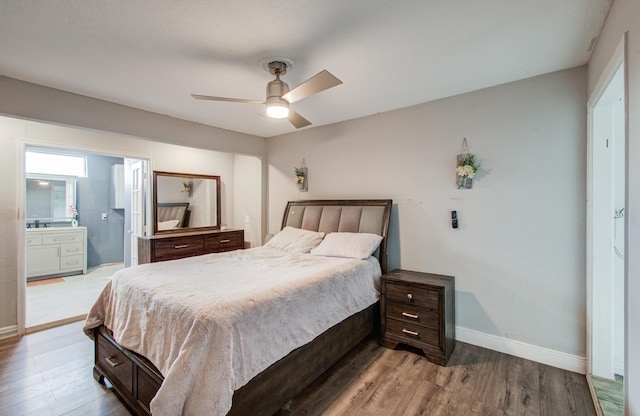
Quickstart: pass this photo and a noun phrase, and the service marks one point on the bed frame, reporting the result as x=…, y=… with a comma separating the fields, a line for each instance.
x=135, y=380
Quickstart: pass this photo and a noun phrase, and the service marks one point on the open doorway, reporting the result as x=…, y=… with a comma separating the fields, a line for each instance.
x=76, y=231
x=606, y=229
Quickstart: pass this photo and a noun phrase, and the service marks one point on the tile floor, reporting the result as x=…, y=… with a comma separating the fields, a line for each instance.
x=610, y=395
x=50, y=304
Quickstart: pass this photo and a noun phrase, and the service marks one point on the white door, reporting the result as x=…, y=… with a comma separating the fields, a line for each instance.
x=137, y=175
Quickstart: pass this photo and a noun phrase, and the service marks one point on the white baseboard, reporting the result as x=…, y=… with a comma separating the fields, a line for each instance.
x=9, y=331
x=569, y=362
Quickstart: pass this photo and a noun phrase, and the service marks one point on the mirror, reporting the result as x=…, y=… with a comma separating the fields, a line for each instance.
x=183, y=202
x=49, y=199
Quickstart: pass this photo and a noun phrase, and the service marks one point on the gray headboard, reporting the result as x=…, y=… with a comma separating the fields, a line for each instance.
x=345, y=215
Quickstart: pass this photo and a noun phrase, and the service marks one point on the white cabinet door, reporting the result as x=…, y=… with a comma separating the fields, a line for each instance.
x=43, y=260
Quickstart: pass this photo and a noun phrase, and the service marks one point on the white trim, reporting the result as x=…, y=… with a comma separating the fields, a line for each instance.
x=617, y=60
x=559, y=359
x=9, y=331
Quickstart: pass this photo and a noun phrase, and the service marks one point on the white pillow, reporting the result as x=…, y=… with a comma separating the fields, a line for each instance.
x=295, y=240
x=167, y=225
x=352, y=245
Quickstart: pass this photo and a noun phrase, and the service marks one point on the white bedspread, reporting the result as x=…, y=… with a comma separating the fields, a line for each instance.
x=211, y=323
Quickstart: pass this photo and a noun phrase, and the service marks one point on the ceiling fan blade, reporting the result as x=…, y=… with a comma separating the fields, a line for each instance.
x=321, y=81
x=233, y=100
x=297, y=120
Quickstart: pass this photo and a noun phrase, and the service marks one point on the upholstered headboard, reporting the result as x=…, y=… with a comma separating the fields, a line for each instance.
x=168, y=211
x=347, y=215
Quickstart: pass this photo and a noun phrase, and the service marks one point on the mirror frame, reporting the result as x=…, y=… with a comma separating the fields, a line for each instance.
x=157, y=174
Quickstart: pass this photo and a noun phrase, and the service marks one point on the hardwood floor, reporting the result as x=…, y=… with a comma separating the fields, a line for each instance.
x=49, y=373
x=374, y=381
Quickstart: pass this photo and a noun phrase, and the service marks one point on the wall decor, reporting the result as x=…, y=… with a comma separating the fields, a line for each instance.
x=301, y=177
x=466, y=168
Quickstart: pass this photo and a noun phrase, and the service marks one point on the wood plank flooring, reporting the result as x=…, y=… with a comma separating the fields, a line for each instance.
x=49, y=373
x=375, y=381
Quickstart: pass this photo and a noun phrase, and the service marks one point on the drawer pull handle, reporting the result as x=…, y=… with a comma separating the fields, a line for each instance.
x=409, y=315
x=112, y=362
x=409, y=296
x=225, y=241
x=406, y=331
x=181, y=246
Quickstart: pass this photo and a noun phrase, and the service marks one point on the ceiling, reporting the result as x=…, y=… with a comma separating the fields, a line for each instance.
x=152, y=54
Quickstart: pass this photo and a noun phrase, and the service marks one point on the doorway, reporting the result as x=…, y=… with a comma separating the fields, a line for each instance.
x=96, y=216
x=606, y=237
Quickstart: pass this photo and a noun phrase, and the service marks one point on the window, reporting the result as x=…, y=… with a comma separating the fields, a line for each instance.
x=46, y=162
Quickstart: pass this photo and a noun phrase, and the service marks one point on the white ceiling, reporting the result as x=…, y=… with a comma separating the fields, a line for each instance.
x=152, y=54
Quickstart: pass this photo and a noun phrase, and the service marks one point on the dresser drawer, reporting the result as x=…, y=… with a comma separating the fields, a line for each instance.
x=409, y=313
x=58, y=238
x=224, y=242
x=412, y=334
x=174, y=248
x=33, y=240
x=117, y=367
x=425, y=298
x=71, y=249
x=72, y=262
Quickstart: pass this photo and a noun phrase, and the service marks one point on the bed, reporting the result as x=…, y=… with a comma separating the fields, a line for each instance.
x=298, y=350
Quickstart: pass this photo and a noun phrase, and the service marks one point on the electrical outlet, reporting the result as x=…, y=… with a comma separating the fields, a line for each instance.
x=454, y=219
x=105, y=216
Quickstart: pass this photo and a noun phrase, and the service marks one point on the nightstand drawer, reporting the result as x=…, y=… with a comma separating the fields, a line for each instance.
x=412, y=295
x=412, y=314
x=413, y=334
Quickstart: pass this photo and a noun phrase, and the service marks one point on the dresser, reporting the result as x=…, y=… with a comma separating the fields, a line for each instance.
x=418, y=309
x=56, y=251
x=172, y=246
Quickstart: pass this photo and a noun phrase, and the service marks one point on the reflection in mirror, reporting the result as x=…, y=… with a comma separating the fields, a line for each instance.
x=185, y=201
x=49, y=199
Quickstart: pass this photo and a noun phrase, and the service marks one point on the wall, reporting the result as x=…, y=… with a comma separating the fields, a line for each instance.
x=105, y=239
x=624, y=16
x=15, y=133
x=518, y=256
x=248, y=182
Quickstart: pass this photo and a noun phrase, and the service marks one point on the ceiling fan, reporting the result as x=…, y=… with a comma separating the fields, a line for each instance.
x=279, y=96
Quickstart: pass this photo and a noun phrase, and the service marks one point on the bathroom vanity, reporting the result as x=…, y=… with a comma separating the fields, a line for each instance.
x=56, y=251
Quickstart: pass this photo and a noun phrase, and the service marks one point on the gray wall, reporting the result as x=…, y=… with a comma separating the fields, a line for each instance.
x=519, y=255
x=105, y=239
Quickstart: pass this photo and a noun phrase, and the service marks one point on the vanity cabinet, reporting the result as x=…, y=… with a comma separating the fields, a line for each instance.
x=161, y=247
x=56, y=252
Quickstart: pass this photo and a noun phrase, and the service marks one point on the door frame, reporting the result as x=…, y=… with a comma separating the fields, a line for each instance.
x=617, y=62
x=21, y=303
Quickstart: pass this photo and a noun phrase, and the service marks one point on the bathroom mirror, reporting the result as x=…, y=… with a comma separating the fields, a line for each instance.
x=49, y=199
x=184, y=202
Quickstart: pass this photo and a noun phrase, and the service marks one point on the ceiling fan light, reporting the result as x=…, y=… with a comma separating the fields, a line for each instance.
x=277, y=107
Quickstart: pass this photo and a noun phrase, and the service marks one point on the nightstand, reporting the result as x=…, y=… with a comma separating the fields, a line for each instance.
x=417, y=309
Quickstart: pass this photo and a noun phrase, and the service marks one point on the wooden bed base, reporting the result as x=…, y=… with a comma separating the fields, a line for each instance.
x=135, y=380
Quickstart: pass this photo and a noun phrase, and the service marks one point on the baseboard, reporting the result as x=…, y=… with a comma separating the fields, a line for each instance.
x=9, y=331
x=569, y=362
